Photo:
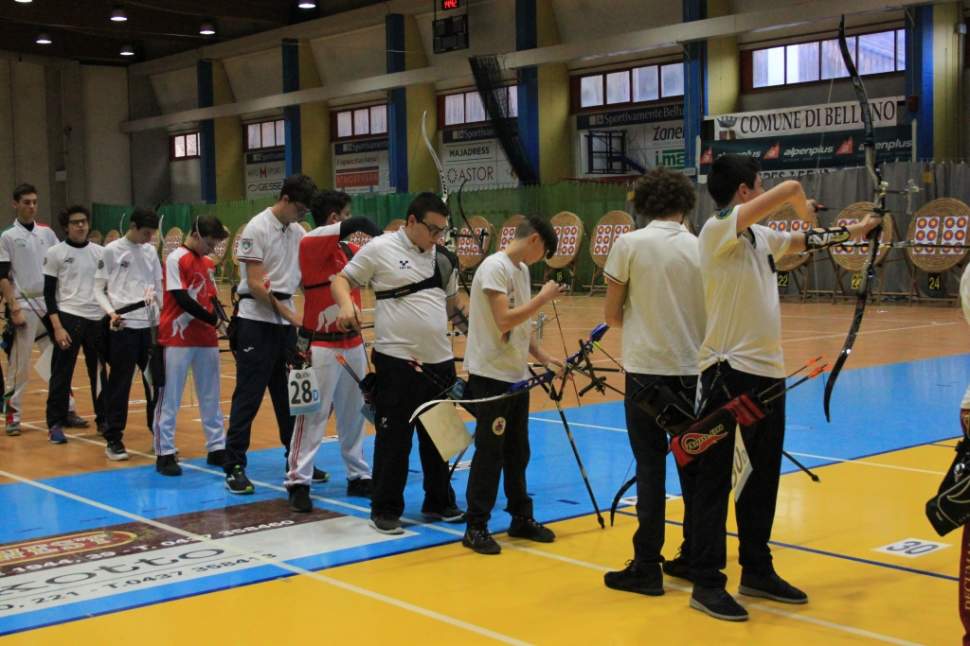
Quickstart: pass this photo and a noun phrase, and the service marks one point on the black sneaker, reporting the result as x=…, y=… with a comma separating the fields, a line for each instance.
x=319, y=476
x=450, y=514
x=300, y=498
x=678, y=568
x=717, y=603
x=116, y=451
x=238, y=483
x=386, y=524
x=360, y=487
x=216, y=458
x=770, y=586
x=73, y=420
x=479, y=540
x=168, y=465
x=643, y=578
x=531, y=529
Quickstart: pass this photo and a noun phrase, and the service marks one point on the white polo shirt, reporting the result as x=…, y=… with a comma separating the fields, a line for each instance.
x=965, y=302
x=129, y=269
x=25, y=249
x=490, y=353
x=73, y=267
x=741, y=296
x=413, y=326
x=265, y=239
x=663, y=316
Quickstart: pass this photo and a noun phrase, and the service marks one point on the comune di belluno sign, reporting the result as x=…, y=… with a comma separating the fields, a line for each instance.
x=826, y=136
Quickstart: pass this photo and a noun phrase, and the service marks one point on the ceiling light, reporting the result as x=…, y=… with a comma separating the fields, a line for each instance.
x=24, y=1
x=43, y=39
x=118, y=15
x=127, y=50
x=307, y=4
x=207, y=29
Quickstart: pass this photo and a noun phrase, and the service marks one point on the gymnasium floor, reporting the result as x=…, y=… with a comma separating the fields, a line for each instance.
x=100, y=552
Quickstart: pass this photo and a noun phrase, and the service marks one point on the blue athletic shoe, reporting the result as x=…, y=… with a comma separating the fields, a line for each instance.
x=56, y=434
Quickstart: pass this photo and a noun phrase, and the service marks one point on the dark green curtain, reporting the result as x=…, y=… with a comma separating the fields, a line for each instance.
x=587, y=200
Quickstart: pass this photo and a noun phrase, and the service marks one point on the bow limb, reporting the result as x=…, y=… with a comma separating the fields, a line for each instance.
x=434, y=157
x=879, y=203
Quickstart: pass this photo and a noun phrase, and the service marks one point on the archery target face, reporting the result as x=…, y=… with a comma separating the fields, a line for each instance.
x=568, y=236
x=859, y=250
x=605, y=235
x=943, y=230
x=793, y=226
x=468, y=244
x=507, y=236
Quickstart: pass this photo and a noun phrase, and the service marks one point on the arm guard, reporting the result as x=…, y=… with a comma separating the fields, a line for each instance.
x=823, y=238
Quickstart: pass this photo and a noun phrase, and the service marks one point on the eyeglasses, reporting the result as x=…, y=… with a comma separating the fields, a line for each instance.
x=77, y=223
x=435, y=231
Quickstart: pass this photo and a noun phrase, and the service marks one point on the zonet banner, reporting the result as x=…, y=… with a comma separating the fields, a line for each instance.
x=361, y=166
x=265, y=172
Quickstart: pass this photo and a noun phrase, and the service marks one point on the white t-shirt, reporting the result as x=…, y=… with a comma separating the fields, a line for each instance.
x=129, y=269
x=74, y=267
x=663, y=316
x=25, y=249
x=965, y=302
x=266, y=240
x=489, y=353
x=741, y=296
x=413, y=326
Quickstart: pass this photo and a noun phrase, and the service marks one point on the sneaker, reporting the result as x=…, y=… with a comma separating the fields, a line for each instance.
x=530, y=529
x=300, y=498
x=450, y=514
x=319, y=476
x=73, y=420
x=116, y=451
x=56, y=434
x=13, y=429
x=770, y=586
x=386, y=524
x=360, y=487
x=717, y=603
x=216, y=458
x=643, y=578
x=479, y=540
x=678, y=568
x=168, y=465
x=238, y=483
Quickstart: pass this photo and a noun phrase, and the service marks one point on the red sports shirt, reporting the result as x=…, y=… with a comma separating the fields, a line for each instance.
x=322, y=258
x=185, y=269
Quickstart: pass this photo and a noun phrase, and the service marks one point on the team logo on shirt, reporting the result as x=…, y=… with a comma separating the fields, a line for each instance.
x=124, y=264
x=498, y=426
x=246, y=245
x=69, y=259
x=403, y=263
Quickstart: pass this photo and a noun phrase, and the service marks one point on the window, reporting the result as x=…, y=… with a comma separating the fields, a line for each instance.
x=646, y=83
x=265, y=134
x=467, y=107
x=880, y=52
x=618, y=87
x=636, y=85
x=366, y=121
x=184, y=146
x=606, y=152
